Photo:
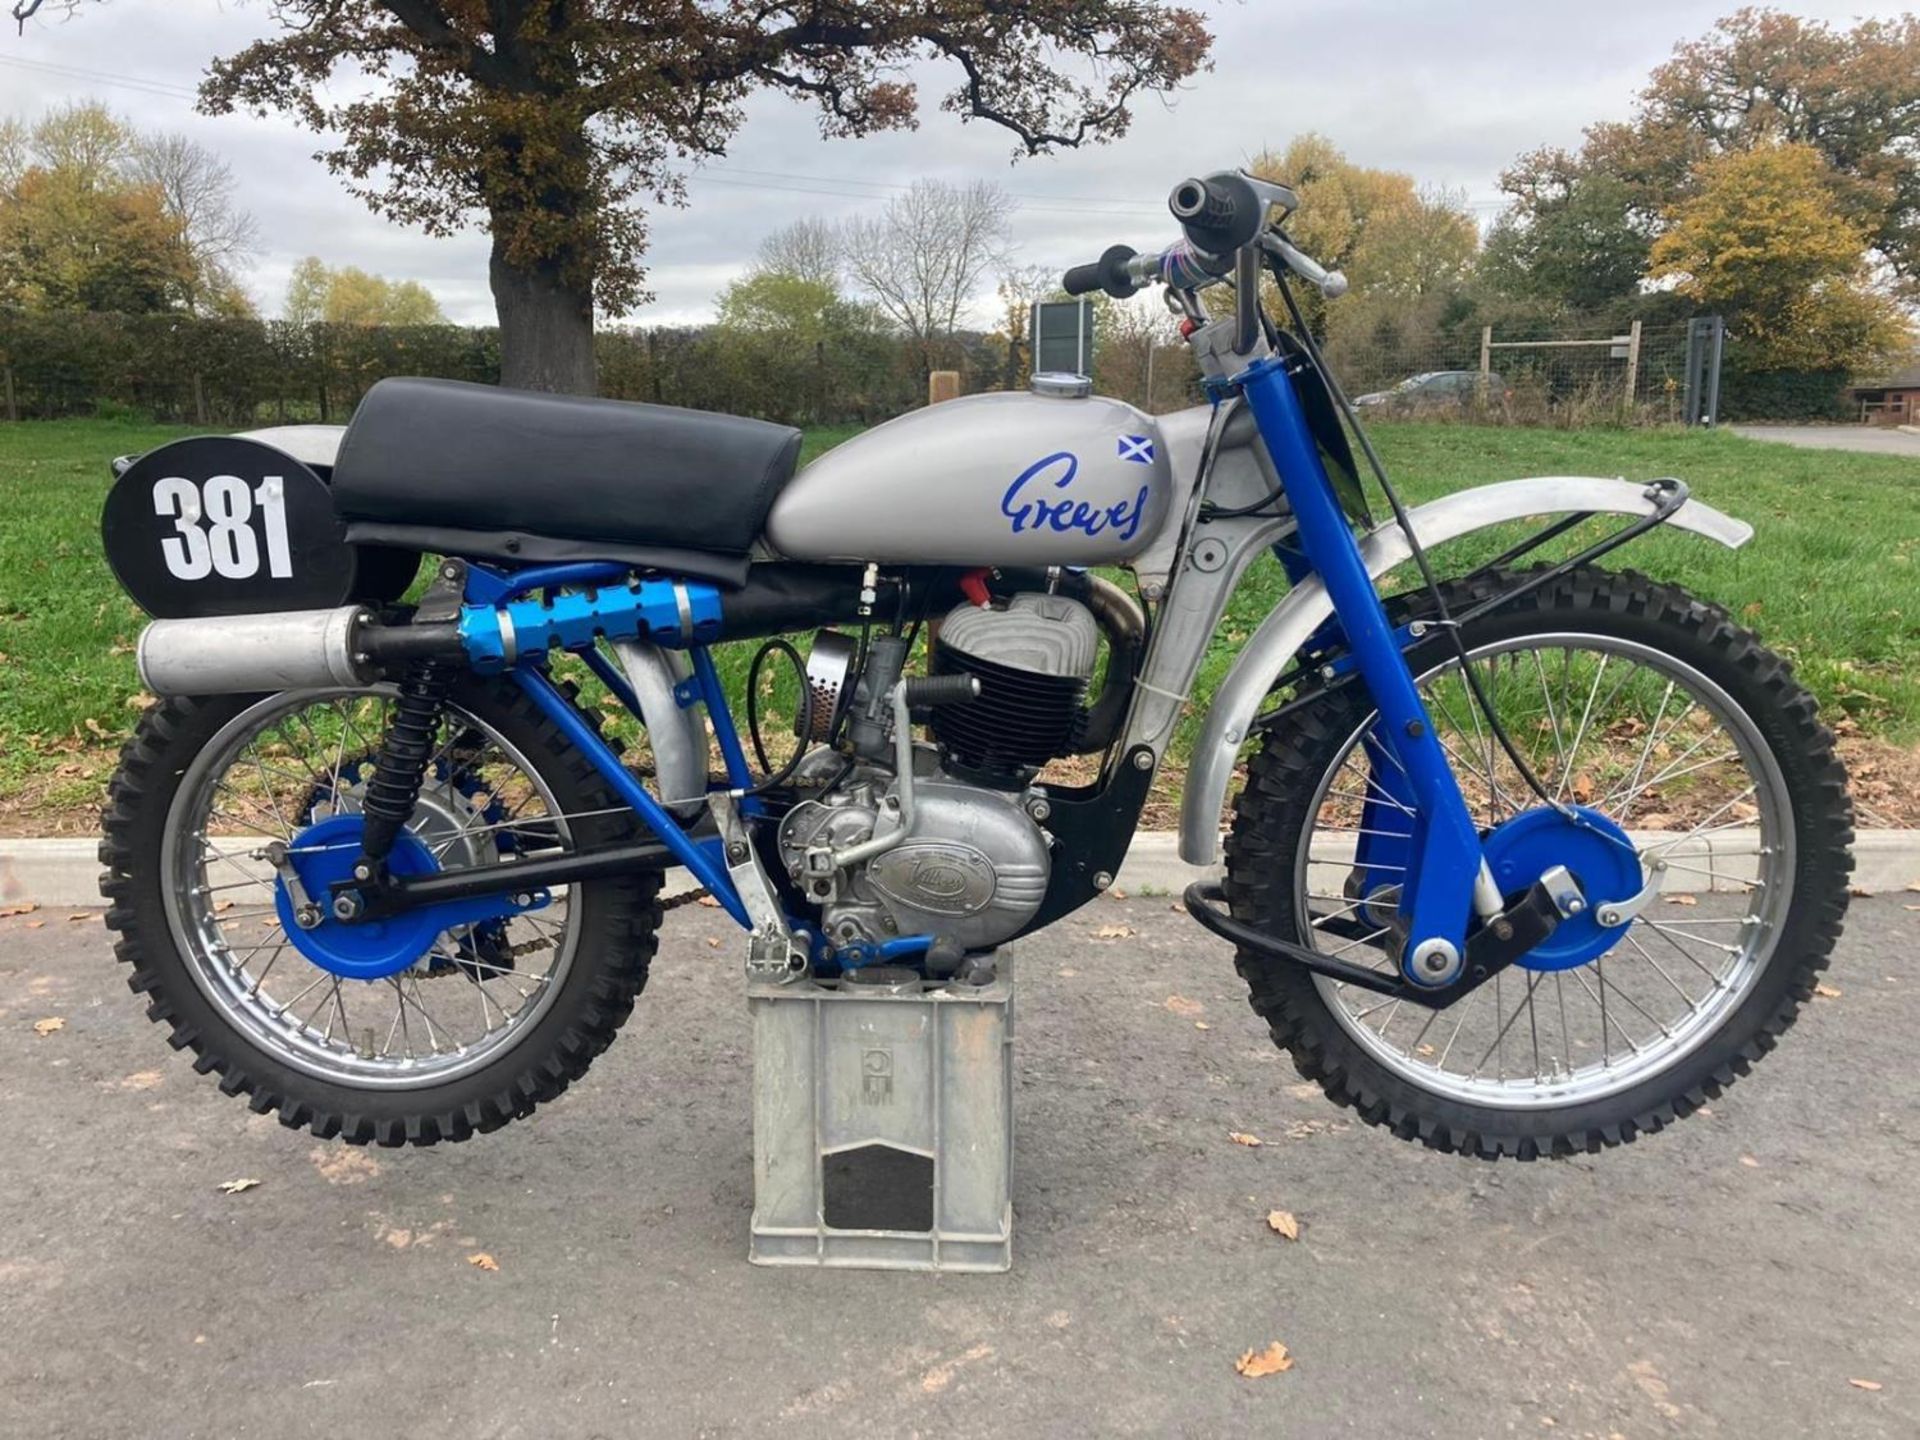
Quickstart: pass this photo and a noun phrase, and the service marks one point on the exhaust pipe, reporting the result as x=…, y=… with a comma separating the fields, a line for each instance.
x=241, y=654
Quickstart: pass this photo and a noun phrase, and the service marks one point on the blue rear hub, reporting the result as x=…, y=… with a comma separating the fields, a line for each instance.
x=323, y=855
x=1595, y=851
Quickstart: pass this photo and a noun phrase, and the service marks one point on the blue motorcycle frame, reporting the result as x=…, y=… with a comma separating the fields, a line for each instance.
x=1446, y=880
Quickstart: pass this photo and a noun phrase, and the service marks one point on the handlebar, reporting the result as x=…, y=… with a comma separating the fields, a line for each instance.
x=1220, y=215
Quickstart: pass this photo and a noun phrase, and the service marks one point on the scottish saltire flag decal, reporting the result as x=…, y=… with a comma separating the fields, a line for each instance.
x=1137, y=448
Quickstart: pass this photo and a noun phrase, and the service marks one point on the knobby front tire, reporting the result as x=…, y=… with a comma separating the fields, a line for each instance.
x=1716, y=1005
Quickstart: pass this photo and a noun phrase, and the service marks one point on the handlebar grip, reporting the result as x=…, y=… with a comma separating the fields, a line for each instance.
x=1108, y=273
x=1082, y=279
x=1220, y=213
x=1202, y=202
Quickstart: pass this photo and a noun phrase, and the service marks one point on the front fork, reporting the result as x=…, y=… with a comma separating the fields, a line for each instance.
x=1446, y=880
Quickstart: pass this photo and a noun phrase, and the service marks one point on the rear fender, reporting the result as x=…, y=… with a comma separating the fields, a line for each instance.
x=1271, y=648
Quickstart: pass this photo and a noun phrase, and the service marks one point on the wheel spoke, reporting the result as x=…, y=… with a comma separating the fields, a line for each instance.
x=292, y=760
x=1606, y=717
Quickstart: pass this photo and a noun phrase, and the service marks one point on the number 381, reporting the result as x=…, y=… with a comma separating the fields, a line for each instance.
x=213, y=522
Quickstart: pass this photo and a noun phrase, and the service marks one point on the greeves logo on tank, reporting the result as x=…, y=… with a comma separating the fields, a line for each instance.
x=1028, y=505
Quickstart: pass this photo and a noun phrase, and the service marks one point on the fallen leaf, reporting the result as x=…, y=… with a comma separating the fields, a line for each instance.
x=1865, y=1384
x=1185, y=1008
x=1281, y=1222
x=49, y=1025
x=1240, y=1138
x=1681, y=900
x=709, y=902
x=1859, y=892
x=1910, y=907
x=1201, y=1025
x=1750, y=1162
x=41, y=924
x=1117, y=893
x=97, y=730
x=1271, y=1361
x=713, y=943
x=24, y=907
x=480, y=1260
x=1112, y=932
x=234, y=1187
x=1423, y=1049
x=1583, y=788
x=83, y=915
x=1827, y=992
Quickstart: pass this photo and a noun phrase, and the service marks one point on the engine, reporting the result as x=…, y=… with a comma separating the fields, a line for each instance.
x=963, y=857
x=1034, y=660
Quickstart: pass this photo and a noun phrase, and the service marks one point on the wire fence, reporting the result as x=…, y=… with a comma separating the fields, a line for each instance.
x=1571, y=378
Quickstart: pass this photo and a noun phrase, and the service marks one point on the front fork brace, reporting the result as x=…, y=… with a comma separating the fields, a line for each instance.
x=1490, y=949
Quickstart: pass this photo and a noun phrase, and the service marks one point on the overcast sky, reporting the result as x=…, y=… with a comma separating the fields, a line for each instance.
x=1447, y=90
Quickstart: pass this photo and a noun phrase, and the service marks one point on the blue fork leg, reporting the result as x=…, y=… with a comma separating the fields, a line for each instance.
x=1444, y=856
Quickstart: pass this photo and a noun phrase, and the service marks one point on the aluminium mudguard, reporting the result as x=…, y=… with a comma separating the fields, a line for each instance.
x=1271, y=647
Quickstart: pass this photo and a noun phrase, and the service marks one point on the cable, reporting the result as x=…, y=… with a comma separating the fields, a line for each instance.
x=773, y=781
x=1419, y=551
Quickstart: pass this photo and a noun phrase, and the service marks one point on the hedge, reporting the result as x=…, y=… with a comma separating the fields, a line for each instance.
x=242, y=372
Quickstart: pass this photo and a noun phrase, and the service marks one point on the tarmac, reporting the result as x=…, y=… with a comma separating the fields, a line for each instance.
x=1749, y=1272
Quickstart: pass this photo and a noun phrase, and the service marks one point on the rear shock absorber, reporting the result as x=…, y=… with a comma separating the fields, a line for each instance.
x=405, y=749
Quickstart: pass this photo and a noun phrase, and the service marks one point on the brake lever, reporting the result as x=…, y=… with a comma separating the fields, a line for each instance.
x=1330, y=283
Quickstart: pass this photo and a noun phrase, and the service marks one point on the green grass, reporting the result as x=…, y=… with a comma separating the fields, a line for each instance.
x=1830, y=577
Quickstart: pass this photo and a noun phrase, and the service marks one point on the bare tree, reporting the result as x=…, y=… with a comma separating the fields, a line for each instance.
x=196, y=187
x=1020, y=289
x=808, y=249
x=13, y=152
x=924, y=257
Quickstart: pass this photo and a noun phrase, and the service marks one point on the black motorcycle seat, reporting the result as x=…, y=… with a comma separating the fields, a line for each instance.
x=653, y=483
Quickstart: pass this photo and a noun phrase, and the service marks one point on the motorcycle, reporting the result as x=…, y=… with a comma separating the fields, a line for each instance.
x=1528, y=860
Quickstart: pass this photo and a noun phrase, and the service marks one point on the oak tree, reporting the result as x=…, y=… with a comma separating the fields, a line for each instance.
x=555, y=122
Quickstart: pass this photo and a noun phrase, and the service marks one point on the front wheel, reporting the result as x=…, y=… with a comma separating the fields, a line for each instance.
x=1632, y=701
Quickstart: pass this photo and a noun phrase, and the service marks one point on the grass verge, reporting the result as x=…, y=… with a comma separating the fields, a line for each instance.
x=1830, y=577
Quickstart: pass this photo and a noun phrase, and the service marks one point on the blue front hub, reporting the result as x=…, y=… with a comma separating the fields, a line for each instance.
x=323, y=855
x=1594, y=850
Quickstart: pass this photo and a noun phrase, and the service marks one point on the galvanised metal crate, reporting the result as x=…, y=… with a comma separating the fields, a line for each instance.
x=883, y=1123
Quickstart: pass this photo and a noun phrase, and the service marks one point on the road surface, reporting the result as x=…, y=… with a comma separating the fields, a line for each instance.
x=1730, y=1277
x=1863, y=439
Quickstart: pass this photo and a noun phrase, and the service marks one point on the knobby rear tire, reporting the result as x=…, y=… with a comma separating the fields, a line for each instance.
x=619, y=924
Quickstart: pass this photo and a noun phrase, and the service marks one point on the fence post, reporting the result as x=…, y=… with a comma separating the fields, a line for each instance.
x=13, y=409
x=943, y=385
x=1486, y=356
x=199, y=400
x=1633, y=364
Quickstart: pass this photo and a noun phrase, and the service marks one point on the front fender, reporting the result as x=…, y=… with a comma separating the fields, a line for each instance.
x=1271, y=648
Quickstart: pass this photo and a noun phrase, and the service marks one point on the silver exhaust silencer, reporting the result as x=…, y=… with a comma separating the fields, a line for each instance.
x=241, y=654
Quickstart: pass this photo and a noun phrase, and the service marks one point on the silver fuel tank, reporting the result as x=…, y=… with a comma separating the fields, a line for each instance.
x=998, y=479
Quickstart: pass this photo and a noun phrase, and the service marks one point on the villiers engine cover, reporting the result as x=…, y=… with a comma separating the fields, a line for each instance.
x=973, y=871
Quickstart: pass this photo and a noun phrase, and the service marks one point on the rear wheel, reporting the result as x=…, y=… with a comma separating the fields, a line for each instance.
x=487, y=1022
x=1636, y=703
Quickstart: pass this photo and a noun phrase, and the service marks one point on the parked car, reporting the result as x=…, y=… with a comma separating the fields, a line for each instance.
x=1434, y=390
